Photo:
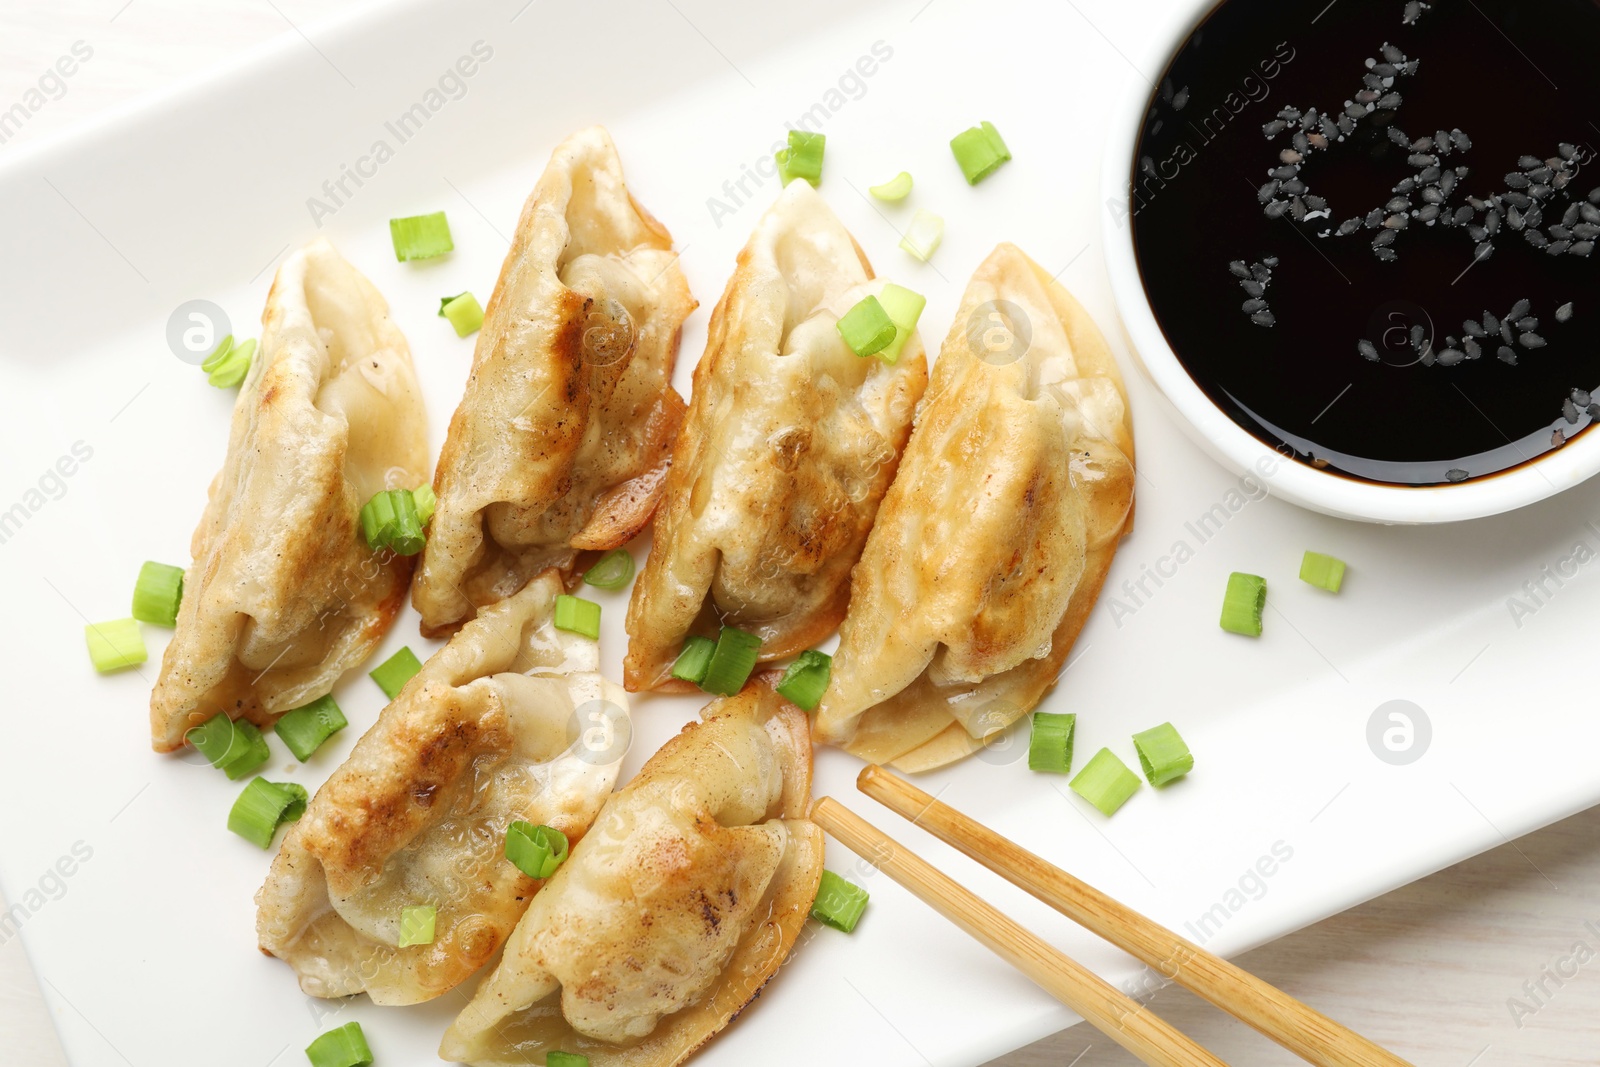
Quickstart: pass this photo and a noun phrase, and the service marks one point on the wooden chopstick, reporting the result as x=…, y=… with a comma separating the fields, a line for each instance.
x=1118, y=1015
x=1296, y=1026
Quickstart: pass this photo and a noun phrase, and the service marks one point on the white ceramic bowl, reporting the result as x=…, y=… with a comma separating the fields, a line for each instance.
x=1221, y=437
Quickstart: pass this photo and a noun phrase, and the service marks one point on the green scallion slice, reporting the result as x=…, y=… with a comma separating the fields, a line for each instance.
x=895, y=188
x=379, y=521
x=115, y=645
x=263, y=807
x=237, y=764
x=577, y=615
x=1242, y=604
x=1050, y=742
x=393, y=673
x=803, y=157
x=555, y=1058
x=408, y=538
x=866, y=328
x=694, y=660
x=1105, y=782
x=344, y=1047
x=1324, y=572
x=1162, y=754
x=157, y=593
x=922, y=237
x=806, y=679
x=839, y=902
x=611, y=571
x=464, y=313
x=420, y=236
x=904, y=308
x=535, y=850
x=422, y=496
x=731, y=662
x=218, y=354
x=416, y=925
x=232, y=368
x=305, y=728
x=979, y=150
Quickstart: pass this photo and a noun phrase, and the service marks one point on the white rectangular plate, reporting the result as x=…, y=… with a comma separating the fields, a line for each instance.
x=133, y=899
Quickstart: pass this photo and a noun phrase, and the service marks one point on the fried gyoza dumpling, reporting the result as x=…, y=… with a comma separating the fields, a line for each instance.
x=283, y=595
x=790, y=443
x=682, y=902
x=509, y=721
x=992, y=544
x=562, y=439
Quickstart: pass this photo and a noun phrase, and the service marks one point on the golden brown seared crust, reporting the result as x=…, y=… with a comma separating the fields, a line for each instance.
x=789, y=444
x=283, y=596
x=417, y=814
x=992, y=545
x=683, y=902
x=569, y=413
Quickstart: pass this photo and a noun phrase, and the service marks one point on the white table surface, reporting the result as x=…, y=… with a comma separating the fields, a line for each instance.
x=1435, y=970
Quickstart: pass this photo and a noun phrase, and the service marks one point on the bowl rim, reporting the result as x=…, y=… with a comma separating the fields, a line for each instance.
x=1209, y=426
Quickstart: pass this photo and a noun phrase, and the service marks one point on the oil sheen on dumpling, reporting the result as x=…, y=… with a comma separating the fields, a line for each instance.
x=510, y=721
x=562, y=439
x=682, y=902
x=790, y=443
x=283, y=595
x=992, y=544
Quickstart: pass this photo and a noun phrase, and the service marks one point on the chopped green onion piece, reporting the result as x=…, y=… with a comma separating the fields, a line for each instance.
x=1324, y=572
x=979, y=151
x=923, y=235
x=731, y=662
x=464, y=313
x=904, y=308
x=694, y=660
x=1242, y=604
x=839, y=902
x=379, y=521
x=1050, y=742
x=237, y=765
x=218, y=354
x=577, y=615
x=408, y=538
x=263, y=807
x=393, y=673
x=555, y=1058
x=157, y=593
x=232, y=368
x=535, y=850
x=803, y=157
x=422, y=496
x=895, y=188
x=612, y=571
x=1105, y=782
x=866, y=328
x=806, y=679
x=114, y=645
x=416, y=925
x=1162, y=754
x=344, y=1047
x=305, y=728
x=420, y=236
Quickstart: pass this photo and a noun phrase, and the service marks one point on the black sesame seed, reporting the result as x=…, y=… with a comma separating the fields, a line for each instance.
x=1346, y=125
x=1447, y=182
x=1385, y=255
x=1253, y=288
x=1405, y=185
x=1482, y=252
x=1581, y=397
x=1383, y=70
x=1472, y=329
x=1527, y=322
x=1456, y=474
x=1533, y=216
x=1267, y=191
x=1273, y=128
x=1567, y=151
x=1530, y=340
x=1397, y=222
x=1417, y=333
x=1569, y=411
x=1450, y=357
x=1520, y=308
x=1276, y=209
x=1529, y=162
x=1564, y=314
x=1513, y=219
x=1253, y=305
x=1384, y=239
x=1390, y=100
x=1430, y=174
x=1367, y=350
x=1521, y=200
x=1398, y=136
x=1460, y=140
x=1581, y=248
x=1269, y=261
x=1284, y=173
x=1348, y=227
x=1294, y=187
x=1302, y=143
x=1542, y=174
x=1477, y=233
x=1393, y=54
x=1570, y=216
x=1374, y=219
x=1366, y=96
x=1399, y=203
x=1560, y=233
x=1297, y=210
x=1422, y=159
x=1589, y=212
x=1517, y=181
x=1506, y=355
x=1290, y=114
x=1263, y=318
x=1464, y=215
x=1491, y=323
x=1538, y=192
x=1472, y=348
x=1537, y=239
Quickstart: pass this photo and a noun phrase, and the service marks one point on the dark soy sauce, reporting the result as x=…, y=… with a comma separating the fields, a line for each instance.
x=1401, y=285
